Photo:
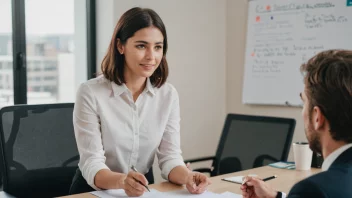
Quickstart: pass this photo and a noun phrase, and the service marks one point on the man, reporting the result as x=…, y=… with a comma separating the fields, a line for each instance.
x=327, y=115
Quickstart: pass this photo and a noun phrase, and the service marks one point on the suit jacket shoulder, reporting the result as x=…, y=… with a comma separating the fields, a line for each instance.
x=307, y=188
x=333, y=183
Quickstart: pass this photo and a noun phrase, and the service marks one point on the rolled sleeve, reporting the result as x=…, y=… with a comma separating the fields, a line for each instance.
x=86, y=124
x=169, y=151
x=169, y=165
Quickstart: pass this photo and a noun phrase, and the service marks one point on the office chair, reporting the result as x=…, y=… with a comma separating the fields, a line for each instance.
x=248, y=142
x=38, y=154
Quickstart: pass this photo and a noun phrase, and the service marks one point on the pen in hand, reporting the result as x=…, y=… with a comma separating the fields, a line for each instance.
x=135, y=170
x=265, y=179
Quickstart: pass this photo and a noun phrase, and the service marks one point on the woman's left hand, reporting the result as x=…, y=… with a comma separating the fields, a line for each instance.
x=197, y=182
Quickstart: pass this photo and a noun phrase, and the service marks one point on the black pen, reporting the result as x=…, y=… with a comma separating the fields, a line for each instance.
x=135, y=170
x=269, y=178
x=265, y=179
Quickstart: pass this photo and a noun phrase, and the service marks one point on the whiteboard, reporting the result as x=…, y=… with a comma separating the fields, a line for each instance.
x=281, y=35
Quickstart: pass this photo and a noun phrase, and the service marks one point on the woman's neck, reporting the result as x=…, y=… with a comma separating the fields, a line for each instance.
x=136, y=85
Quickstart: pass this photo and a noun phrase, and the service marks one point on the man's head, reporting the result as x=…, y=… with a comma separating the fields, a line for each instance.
x=327, y=97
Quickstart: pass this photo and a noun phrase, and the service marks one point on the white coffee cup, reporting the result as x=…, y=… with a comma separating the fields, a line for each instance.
x=302, y=155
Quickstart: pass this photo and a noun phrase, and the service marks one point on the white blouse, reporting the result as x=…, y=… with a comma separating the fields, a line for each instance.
x=114, y=132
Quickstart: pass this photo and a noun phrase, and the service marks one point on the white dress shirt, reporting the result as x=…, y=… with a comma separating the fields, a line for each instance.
x=114, y=132
x=333, y=156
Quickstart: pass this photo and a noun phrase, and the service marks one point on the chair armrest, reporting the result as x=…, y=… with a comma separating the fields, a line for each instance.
x=72, y=159
x=200, y=159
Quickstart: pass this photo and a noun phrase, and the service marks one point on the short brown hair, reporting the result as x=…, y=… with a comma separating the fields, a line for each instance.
x=130, y=22
x=328, y=81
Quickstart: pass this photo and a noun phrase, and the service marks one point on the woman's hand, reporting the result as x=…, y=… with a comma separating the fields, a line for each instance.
x=197, y=182
x=131, y=185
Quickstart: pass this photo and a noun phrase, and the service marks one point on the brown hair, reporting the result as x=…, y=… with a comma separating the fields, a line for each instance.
x=328, y=81
x=130, y=22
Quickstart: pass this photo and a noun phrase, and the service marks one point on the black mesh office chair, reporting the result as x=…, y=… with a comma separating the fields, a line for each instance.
x=38, y=149
x=249, y=142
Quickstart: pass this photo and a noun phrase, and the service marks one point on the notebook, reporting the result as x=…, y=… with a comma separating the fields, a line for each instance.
x=283, y=165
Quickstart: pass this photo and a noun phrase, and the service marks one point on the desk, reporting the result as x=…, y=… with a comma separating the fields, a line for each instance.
x=286, y=179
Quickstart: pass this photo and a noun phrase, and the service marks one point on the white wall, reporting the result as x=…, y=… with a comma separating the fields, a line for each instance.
x=197, y=60
x=236, y=36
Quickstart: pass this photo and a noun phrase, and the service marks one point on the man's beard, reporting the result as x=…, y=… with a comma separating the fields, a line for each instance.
x=313, y=140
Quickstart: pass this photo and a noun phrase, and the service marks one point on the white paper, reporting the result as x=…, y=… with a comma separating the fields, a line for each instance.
x=120, y=193
x=228, y=194
x=236, y=179
x=185, y=193
x=156, y=194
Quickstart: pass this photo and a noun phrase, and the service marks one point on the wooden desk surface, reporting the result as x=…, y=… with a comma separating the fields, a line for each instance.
x=286, y=179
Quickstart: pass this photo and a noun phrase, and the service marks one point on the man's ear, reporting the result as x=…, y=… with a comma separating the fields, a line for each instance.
x=120, y=47
x=318, y=118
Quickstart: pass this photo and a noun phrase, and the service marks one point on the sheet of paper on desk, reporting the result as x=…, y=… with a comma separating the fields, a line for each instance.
x=228, y=194
x=185, y=193
x=237, y=179
x=156, y=194
x=119, y=193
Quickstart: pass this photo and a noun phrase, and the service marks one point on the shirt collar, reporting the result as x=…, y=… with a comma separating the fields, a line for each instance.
x=119, y=89
x=150, y=87
x=333, y=156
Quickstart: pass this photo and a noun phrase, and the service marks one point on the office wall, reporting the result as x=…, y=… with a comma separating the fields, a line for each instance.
x=197, y=60
x=235, y=51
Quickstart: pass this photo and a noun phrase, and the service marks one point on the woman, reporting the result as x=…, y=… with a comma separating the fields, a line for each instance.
x=129, y=114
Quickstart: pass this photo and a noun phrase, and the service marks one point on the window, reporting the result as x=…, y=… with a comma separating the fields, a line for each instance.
x=49, y=78
x=6, y=93
x=36, y=88
x=48, y=40
x=36, y=68
x=9, y=65
x=39, y=49
x=53, y=40
x=50, y=68
x=50, y=89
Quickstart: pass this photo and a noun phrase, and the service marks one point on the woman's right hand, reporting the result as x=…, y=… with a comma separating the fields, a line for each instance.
x=131, y=185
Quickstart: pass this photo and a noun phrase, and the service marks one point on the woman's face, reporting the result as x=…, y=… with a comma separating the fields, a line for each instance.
x=143, y=52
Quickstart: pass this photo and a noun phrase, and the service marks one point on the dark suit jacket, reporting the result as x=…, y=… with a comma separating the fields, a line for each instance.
x=336, y=182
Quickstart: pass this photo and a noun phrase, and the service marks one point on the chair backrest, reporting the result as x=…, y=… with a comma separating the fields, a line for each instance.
x=252, y=141
x=39, y=154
